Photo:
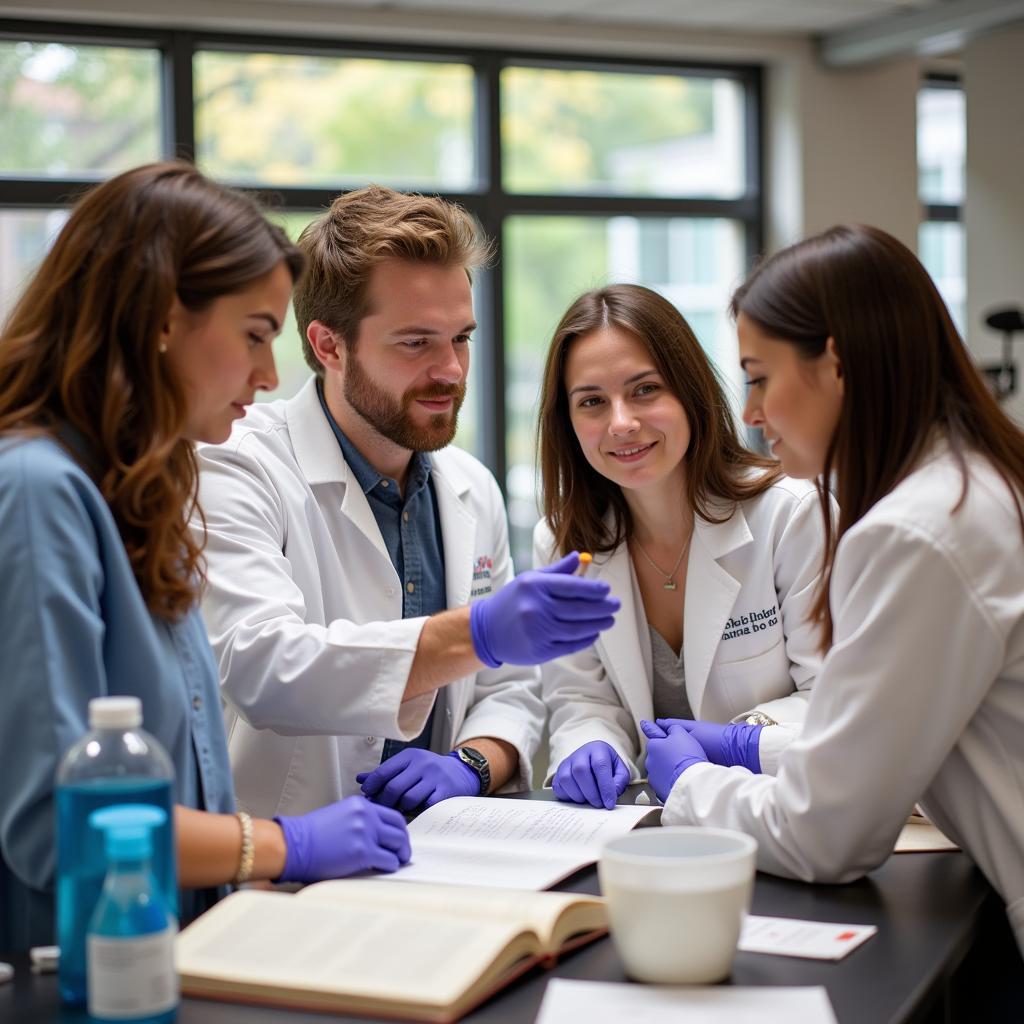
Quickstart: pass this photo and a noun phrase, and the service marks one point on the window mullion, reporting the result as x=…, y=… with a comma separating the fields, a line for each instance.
x=492, y=215
x=178, y=97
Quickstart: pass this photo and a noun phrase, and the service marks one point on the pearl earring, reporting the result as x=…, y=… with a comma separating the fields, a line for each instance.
x=162, y=347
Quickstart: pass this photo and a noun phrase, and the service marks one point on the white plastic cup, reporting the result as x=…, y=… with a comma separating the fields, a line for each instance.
x=677, y=897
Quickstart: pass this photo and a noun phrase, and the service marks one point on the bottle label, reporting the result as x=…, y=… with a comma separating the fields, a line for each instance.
x=133, y=976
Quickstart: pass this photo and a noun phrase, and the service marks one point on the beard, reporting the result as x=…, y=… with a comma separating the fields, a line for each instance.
x=392, y=417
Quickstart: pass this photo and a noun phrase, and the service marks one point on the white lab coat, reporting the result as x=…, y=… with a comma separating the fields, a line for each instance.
x=747, y=644
x=304, y=611
x=921, y=697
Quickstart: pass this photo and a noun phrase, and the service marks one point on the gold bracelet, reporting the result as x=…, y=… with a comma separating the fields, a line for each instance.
x=247, y=855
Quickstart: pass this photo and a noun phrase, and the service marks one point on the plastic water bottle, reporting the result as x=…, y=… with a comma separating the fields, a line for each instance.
x=116, y=762
x=130, y=943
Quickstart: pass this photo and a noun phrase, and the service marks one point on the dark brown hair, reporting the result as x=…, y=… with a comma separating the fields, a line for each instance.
x=577, y=498
x=80, y=349
x=905, y=370
x=363, y=229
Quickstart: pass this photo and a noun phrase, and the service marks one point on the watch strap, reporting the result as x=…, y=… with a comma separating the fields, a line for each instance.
x=472, y=758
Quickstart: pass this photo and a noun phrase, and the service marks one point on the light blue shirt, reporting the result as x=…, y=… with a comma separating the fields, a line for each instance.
x=74, y=627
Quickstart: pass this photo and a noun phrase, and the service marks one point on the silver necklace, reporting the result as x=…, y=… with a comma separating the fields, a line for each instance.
x=670, y=581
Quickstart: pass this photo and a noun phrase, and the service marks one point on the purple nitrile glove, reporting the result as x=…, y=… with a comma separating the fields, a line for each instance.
x=540, y=615
x=592, y=774
x=342, y=838
x=732, y=744
x=416, y=778
x=669, y=753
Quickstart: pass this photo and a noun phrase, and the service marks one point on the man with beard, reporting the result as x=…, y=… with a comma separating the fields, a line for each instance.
x=361, y=600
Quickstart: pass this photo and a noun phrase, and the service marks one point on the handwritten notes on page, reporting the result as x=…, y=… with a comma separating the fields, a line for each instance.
x=514, y=844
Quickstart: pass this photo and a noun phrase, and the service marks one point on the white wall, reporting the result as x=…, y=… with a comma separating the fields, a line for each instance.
x=842, y=148
x=994, y=205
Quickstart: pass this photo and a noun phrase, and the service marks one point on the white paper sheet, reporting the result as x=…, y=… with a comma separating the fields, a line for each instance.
x=783, y=936
x=920, y=836
x=598, y=1002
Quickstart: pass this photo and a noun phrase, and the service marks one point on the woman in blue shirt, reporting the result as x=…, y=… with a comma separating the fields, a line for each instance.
x=147, y=327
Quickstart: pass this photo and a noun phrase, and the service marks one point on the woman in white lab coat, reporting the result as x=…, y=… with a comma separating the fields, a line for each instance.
x=713, y=553
x=858, y=376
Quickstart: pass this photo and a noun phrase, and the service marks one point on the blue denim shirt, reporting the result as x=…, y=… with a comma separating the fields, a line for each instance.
x=75, y=626
x=411, y=529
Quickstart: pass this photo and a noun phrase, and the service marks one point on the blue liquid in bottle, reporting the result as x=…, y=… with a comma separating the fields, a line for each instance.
x=82, y=864
x=116, y=762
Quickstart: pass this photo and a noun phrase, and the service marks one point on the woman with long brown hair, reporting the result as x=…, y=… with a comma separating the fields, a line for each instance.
x=713, y=553
x=147, y=328
x=859, y=378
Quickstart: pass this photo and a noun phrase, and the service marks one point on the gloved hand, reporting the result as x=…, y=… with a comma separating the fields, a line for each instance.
x=342, y=838
x=414, y=778
x=732, y=744
x=669, y=753
x=592, y=774
x=540, y=615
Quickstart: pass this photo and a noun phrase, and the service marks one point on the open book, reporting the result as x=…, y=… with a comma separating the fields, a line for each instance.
x=422, y=951
x=512, y=844
x=361, y=946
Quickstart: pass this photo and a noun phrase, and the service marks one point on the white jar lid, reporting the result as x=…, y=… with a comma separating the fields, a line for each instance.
x=115, y=713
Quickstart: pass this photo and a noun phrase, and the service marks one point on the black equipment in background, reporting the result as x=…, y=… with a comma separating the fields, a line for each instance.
x=1003, y=375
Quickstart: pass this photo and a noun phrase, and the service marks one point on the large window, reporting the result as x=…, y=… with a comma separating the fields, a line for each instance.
x=941, y=152
x=582, y=172
x=67, y=111
x=283, y=119
x=71, y=110
x=622, y=133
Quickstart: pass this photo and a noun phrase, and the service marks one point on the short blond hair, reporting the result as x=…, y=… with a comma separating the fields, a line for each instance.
x=364, y=228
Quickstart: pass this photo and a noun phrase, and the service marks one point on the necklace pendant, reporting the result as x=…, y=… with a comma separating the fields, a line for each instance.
x=670, y=585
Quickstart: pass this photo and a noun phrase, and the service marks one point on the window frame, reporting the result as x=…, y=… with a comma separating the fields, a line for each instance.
x=489, y=203
x=944, y=212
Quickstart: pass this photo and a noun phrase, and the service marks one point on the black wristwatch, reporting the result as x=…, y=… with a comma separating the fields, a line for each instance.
x=472, y=757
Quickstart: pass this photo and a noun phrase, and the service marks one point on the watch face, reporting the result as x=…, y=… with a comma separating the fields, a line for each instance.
x=476, y=762
x=473, y=757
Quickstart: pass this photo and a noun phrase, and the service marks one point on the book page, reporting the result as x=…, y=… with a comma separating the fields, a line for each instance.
x=598, y=1002
x=274, y=940
x=541, y=823
x=476, y=863
x=540, y=910
x=516, y=844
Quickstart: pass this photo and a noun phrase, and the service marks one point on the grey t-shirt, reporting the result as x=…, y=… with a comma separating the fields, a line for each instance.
x=668, y=677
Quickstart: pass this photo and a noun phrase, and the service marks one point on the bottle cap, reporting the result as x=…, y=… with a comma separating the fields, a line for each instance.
x=44, y=959
x=127, y=829
x=115, y=713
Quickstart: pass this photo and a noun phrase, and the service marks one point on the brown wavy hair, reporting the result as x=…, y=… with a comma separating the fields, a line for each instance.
x=905, y=368
x=577, y=499
x=364, y=228
x=80, y=350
